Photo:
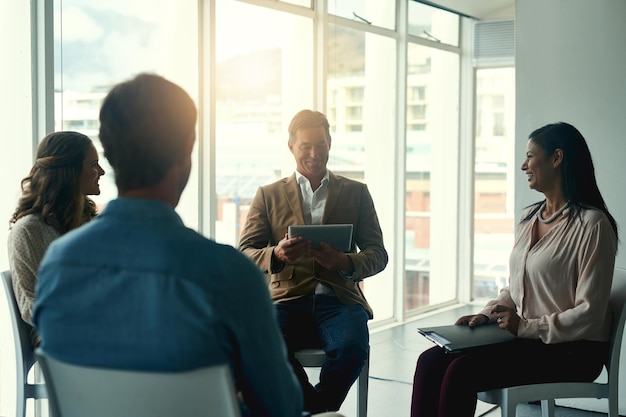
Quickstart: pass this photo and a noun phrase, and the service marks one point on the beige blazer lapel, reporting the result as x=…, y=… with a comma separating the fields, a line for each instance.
x=293, y=198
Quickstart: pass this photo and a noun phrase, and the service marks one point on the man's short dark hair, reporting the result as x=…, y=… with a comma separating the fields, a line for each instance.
x=145, y=124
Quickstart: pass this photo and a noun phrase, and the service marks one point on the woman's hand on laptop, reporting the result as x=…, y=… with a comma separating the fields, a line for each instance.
x=473, y=320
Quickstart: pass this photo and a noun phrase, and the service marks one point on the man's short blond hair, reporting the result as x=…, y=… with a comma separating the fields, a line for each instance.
x=306, y=119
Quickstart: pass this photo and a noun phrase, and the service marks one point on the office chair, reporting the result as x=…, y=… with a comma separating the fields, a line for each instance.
x=316, y=357
x=24, y=355
x=508, y=398
x=79, y=391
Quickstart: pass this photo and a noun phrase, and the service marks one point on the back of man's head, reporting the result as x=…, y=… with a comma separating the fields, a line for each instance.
x=145, y=125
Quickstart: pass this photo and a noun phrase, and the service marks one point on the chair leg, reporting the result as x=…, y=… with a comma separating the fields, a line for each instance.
x=38, y=381
x=20, y=395
x=20, y=406
x=509, y=407
x=547, y=408
x=361, y=390
x=613, y=407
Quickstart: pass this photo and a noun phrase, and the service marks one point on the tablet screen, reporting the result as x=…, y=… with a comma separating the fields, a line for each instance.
x=338, y=236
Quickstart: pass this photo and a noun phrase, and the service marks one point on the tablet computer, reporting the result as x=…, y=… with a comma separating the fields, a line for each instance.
x=339, y=236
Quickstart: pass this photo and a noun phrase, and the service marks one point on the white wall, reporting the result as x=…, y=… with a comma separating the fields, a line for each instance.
x=571, y=66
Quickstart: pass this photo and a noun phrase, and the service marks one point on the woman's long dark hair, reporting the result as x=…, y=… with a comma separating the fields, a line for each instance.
x=577, y=171
x=52, y=189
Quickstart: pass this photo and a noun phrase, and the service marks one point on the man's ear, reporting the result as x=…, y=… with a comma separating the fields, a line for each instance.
x=183, y=161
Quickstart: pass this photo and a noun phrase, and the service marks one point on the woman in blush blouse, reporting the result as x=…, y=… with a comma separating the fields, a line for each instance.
x=53, y=201
x=561, y=271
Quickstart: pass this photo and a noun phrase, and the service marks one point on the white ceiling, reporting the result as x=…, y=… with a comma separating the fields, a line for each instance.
x=480, y=9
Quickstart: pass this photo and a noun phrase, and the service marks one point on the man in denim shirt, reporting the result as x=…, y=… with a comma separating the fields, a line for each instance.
x=136, y=289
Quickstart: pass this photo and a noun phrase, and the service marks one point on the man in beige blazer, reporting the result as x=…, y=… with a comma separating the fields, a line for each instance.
x=316, y=291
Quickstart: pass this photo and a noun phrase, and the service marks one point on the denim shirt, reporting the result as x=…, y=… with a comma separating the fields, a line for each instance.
x=136, y=289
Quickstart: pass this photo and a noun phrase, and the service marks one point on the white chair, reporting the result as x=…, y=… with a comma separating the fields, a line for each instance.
x=315, y=358
x=508, y=398
x=79, y=391
x=24, y=355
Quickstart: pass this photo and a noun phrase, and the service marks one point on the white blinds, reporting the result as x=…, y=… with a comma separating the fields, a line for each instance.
x=494, y=42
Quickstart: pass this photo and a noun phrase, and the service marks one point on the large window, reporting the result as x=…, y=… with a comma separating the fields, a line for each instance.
x=431, y=141
x=262, y=77
x=261, y=82
x=494, y=167
x=252, y=64
x=432, y=136
x=102, y=42
x=361, y=91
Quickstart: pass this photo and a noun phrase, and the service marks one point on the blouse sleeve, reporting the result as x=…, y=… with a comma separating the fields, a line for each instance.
x=504, y=299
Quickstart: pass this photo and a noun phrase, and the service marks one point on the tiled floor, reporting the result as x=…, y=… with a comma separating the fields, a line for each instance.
x=394, y=352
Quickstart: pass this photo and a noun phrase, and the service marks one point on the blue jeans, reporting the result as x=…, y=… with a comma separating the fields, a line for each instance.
x=321, y=321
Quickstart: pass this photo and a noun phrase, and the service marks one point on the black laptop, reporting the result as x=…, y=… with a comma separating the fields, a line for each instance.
x=456, y=337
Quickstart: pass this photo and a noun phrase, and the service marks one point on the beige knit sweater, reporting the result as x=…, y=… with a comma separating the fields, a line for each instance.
x=29, y=238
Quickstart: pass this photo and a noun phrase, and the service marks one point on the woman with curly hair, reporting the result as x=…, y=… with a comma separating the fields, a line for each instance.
x=54, y=201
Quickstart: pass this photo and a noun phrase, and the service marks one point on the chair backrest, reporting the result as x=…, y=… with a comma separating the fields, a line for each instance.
x=21, y=330
x=78, y=391
x=617, y=304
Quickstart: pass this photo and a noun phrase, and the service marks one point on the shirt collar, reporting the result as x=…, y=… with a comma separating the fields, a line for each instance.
x=301, y=179
x=141, y=209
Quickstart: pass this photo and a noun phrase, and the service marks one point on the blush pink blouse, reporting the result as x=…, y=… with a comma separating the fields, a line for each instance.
x=560, y=287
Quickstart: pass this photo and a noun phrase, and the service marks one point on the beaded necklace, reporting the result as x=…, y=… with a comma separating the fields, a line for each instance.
x=553, y=217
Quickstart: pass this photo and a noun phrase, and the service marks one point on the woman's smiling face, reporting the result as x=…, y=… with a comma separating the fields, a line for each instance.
x=91, y=173
x=541, y=169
